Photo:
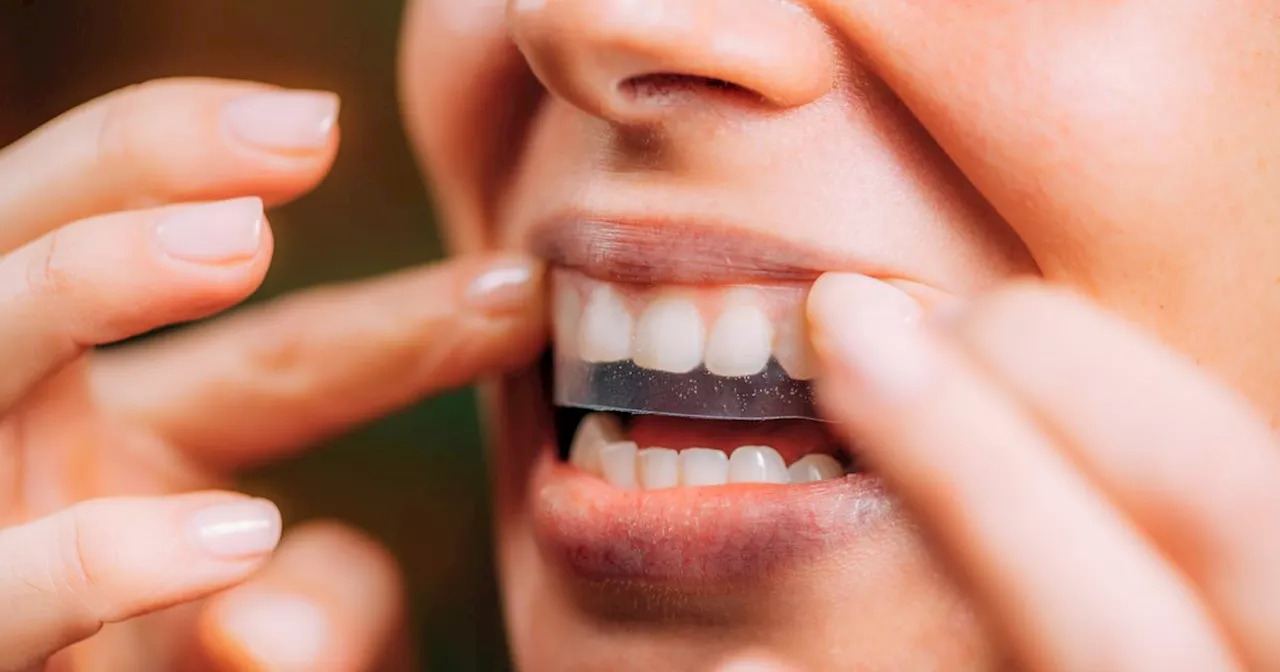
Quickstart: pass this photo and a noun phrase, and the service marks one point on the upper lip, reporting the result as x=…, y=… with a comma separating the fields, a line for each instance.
x=674, y=251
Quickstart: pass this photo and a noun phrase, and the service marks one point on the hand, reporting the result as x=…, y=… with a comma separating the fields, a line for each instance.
x=115, y=220
x=1110, y=506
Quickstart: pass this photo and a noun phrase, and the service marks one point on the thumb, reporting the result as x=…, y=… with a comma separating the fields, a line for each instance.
x=109, y=560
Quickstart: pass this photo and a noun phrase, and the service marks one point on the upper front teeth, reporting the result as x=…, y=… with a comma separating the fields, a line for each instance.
x=604, y=332
x=730, y=331
x=600, y=448
x=741, y=339
x=669, y=336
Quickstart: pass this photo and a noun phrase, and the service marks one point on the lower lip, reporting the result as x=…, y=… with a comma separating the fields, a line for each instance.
x=693, y=536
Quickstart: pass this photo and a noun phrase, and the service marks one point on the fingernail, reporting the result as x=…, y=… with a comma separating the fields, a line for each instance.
x=213, y=233
x=283, y=120
x=753, y=665
x=873, y=330
x=505, y=286
x=277, y=630
x=243, y=529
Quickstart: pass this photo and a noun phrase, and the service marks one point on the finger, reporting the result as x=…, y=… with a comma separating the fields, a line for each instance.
x=286, y=374
x=114, y=276
x=164, y=142
x=330, y=601
x=109, y=560
x=1070, y=582
x=754, y=663
x=1184, y=456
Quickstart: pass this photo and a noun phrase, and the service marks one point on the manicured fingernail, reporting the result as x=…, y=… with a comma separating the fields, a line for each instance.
x=753, y=665
x=241, y=529
x=872, y=329
x=213, y=233
x=505, y=286
x=283, y=120
x=277, y=630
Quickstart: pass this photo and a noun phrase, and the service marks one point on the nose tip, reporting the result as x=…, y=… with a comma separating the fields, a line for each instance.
x=631, y=61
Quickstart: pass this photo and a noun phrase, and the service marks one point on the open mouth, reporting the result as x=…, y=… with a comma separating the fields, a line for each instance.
x=686, y=449
x=686, y=387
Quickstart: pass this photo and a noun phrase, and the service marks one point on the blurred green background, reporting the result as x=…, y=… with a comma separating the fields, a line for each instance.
x=415, y=480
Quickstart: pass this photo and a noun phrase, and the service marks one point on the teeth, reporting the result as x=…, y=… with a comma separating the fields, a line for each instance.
x=669, y=336
x=604, y=334
x=757, y=464
x=703, y=466
x=658, y=468
x=815, y=467
x=594, y=432
x=740, y=340
x=618, y=465
x=791, y=346
x=566, y=312
x=600, y=448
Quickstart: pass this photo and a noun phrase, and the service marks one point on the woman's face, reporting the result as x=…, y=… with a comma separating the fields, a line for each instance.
x=1128, y=148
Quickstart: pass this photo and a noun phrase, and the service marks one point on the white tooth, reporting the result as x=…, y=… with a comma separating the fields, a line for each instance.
x=740, y=341
x=703, y=466
x=815, y=467
x=791, y=346
x=658, y=468
x=757, y=464
x=594, y=432
x=669, y=336
x=566, y=315
x=604, y=334
x=618, y=464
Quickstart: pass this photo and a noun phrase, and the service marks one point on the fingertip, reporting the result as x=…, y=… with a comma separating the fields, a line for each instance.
x=243, y=529
x=754, y=663
x=245, y=137
x=330, y=599
x=263, y=630
x=284, y=121
x=218, y=233
x=506, y=284
x=867, y=333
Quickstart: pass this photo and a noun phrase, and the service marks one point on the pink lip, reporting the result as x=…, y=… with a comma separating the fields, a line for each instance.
x=689, y=537
x=675, y=251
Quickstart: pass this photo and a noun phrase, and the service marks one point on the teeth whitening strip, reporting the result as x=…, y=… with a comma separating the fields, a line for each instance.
x=720, y=353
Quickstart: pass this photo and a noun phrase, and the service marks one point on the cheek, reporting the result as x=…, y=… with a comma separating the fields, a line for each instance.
x=463, y=84
x=1132, y=144
x=1106, y=133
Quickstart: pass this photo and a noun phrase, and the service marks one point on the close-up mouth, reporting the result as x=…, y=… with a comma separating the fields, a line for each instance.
x=683, y=447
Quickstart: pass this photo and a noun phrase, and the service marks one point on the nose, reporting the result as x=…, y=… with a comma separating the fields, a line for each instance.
x=633, y=61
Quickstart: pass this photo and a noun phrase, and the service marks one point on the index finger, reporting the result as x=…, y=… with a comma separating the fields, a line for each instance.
x=164, y=142
x=279, y=376
x=1066, y=576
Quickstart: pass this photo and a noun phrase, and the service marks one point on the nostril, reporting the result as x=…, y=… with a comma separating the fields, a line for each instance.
x=670, y=88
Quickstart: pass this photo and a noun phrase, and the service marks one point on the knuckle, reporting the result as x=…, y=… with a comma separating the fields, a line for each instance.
x=133, y=144
x=73, y=570
x=113, y=143
x=48, y=275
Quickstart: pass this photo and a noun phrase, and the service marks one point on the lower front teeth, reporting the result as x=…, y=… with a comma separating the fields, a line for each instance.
x=599, y=447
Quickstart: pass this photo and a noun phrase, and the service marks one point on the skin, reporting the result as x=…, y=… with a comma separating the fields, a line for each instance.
x=1120, y=155
x=110, y=459
x=1129, y=170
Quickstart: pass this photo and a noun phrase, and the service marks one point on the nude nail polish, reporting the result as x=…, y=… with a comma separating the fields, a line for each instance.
x=283, y=120
x=212, y=233
x=506, y=285
x=237, y=529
